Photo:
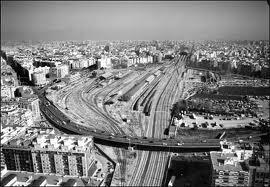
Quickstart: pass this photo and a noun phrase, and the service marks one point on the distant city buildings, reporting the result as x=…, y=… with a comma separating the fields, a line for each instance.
x=233, y=57
x=28, y=60
x=24, y=149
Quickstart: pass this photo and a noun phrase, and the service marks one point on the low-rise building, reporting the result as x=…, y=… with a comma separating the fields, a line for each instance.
x=7, y=91
x=60, y=71
x=172, y=131
x=258, y=172
x=105, y=62
x=39, y=76
x=31, y=103
x=14, y=116
x=243, y=151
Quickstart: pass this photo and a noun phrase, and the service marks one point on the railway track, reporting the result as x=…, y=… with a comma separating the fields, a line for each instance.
x=158, y=159
x=146, y=161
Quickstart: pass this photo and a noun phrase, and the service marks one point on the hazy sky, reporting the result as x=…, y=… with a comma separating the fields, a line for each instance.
x=71, y=20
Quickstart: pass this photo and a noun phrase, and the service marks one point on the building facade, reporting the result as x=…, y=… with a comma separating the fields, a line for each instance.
x=227, y=170
x=32, y=104
x=49, y=153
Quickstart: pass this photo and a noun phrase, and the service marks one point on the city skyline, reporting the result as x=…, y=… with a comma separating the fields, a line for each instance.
x=135, y=20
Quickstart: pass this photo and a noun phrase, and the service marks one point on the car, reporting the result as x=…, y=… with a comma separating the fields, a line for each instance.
x=179, y=144
x=203, y=141
x=164, y=143
x=151, y=141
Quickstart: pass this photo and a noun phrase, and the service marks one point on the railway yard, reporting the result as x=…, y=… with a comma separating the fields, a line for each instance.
x=135, y=104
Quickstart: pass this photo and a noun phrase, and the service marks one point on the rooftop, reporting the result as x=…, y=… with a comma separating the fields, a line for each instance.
x=106, y=75
x=38, y=181
x=37, y=178
x=7, y=179
x=226, y=161
x=69, y=182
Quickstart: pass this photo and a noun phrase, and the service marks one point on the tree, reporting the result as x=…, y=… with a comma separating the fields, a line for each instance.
x=107, y=48
x=177, y=107
x=94, y=74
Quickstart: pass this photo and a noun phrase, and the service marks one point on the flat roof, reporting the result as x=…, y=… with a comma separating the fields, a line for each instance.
x=38, y=181
x=7, y=179
x=52, y=179
x=69, y=182
x=106, y=75
x=218, y=160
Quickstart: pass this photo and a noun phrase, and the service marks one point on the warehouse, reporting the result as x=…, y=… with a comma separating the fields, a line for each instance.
x=106, y=76
x=136, y=89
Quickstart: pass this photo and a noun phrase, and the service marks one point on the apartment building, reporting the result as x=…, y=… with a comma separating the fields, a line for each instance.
x=258, y=172
x=227, y=170
x=62, y=155
x=49, y=153
x=39, y=78
x=60, y=71
x=32, y=104
x=18, y=156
